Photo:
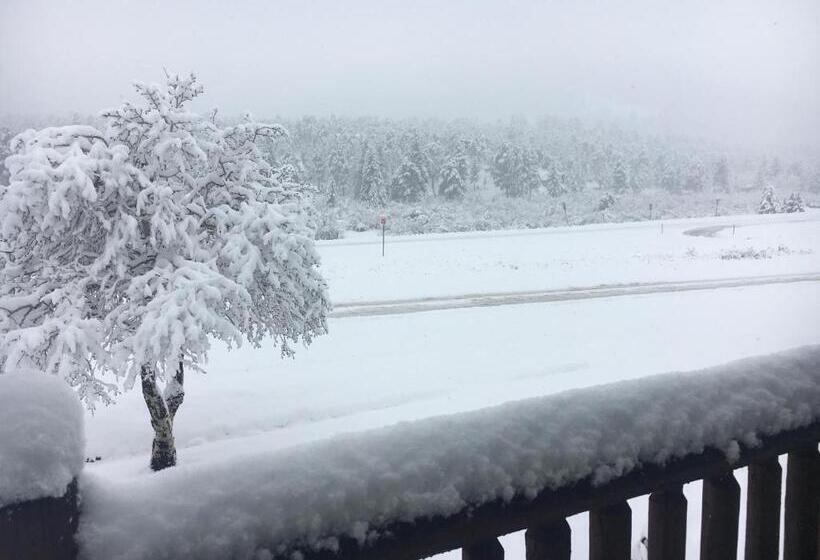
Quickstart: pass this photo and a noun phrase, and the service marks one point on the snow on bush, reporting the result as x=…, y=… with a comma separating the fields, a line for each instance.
x=232, y=507
x=41, y=437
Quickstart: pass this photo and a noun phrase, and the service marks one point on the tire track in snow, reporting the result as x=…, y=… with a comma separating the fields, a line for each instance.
x=420, y=305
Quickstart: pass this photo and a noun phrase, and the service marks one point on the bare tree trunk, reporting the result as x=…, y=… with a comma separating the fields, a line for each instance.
x=162, y=409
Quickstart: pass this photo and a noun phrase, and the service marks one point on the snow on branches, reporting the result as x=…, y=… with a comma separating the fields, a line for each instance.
x=137, y=245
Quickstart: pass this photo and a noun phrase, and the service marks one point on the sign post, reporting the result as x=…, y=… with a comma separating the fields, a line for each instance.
x=383, y=221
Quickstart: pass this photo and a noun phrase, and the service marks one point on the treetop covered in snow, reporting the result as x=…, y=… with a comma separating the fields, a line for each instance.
x=42, y=443
x=139, y=243
x=355, y=484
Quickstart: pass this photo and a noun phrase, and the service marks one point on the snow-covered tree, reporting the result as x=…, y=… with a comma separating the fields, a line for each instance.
x=124, y=252
x=410, y=182
x=768, y=201
x=794, y=204
x=669, y=175
x=5, y=146
x=515, y=170
x=556, y=180
x=720, y=179
x=695, y=177
x=454, y=177
x=619, y=179
x=371, y=181
x=338, y=169
x=606, y=202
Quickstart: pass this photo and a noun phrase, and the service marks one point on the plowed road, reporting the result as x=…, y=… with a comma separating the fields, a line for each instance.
x=397, y=307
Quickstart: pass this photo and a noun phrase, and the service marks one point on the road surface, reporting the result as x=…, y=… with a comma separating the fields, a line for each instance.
x=418, y=305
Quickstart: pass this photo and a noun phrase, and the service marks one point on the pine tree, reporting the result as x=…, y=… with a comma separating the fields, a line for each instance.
x=768, y=201
x=338, y=170
x=409, y=184
x=720, y=179
x=619, y=181
x=514, y=170
x=421, y=160
x=5, y=149
x=371, y=183
x=454, y=175
x=670, y=178
x=695, y=177
x=794, y=204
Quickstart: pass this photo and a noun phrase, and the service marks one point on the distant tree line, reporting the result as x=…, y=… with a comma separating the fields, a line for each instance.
x=380, y=160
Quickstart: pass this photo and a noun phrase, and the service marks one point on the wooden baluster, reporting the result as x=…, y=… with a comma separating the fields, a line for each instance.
x=763, y=510
x=610, y=532
x=667, y=524
x=488, y=549
x=800, y=538
x=549, y=542
x=719, y=522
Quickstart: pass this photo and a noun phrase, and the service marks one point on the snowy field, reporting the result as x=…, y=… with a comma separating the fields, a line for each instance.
x=375, y=371
x=508, y=261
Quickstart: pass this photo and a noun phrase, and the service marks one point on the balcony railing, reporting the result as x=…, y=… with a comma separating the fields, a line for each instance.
x=476, y=530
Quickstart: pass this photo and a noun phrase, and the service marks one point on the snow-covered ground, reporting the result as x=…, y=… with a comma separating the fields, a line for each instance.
x=371, y=372
x=509, y=261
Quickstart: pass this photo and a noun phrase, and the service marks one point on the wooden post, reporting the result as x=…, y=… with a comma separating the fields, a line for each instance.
x=549, y=542
x=721, y=508
x=488, y=549
x=802, y=505
x=610, y=532
x=667, y=524
x=763, y=510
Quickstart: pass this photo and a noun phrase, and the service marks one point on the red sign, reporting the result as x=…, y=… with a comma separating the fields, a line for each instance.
x=383, y=220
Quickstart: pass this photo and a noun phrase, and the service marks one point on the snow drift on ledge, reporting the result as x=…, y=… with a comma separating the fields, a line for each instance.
x=235, y=507
x=42, y=442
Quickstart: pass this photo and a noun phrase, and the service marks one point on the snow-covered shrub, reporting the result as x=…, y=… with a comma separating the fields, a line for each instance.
x=328, y=228
x=607, y=201
x=768, y=201
x=756, y=254
x=794, y=204
x=126, y=251
x=42, y=442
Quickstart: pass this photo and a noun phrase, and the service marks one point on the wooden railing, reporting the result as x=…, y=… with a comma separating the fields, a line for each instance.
x=547, y=537
x=40, y=529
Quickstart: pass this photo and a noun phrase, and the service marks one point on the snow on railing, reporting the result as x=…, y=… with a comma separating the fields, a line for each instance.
x=42, y=443
x=418, y=488
x=42, y=446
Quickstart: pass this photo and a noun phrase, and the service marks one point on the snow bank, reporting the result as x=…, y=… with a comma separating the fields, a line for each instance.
x=41, y=437
x=231, y=507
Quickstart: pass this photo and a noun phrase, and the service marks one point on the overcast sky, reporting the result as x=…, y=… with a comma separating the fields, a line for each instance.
x=737, y=70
